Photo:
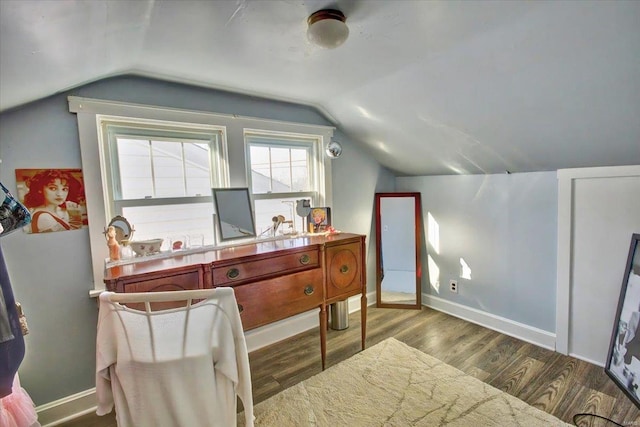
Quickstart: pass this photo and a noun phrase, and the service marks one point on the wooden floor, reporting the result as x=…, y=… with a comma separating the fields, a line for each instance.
x=560, y=385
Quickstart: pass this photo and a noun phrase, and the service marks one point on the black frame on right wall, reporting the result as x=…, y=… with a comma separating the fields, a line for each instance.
x=623, y=361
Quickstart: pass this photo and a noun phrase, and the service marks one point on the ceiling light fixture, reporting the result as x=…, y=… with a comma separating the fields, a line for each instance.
x=327, y=28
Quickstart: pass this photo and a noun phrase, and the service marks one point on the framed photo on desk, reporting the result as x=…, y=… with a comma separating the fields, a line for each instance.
x=233, y=213
x=319, y=219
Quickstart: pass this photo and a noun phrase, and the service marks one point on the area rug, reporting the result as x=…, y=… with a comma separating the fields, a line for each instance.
x=392, y=384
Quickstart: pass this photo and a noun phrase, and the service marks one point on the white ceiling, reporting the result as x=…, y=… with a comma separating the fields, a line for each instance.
x=429, y=87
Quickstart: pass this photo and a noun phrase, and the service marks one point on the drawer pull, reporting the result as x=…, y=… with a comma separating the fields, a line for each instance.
x=344, y=269
x=233, y=273
x=240, y=308
x=305, y=259
x=308, y=290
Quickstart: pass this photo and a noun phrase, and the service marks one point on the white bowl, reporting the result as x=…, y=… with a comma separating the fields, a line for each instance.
x=146, y=247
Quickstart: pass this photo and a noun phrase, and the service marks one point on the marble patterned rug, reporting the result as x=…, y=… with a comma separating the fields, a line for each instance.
x=392, y=384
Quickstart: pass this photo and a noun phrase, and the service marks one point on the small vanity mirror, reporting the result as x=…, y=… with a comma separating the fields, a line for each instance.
x=124, y=231
x=234, y=214
x=398, y=266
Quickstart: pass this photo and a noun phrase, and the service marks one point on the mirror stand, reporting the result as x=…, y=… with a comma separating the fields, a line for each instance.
x=398, y=258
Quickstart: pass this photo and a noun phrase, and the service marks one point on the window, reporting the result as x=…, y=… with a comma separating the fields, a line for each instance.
x=284, y=168
x=150, y=164
x=160, y=177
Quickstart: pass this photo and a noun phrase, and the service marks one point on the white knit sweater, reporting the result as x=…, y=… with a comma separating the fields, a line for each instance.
x=177, y=367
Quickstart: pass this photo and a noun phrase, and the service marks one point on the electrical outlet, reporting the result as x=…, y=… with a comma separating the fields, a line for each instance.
x=453, y=286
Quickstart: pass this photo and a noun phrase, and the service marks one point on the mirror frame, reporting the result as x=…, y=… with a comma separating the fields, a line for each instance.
x=124, y=230
x=417, y=241
x=241, y=206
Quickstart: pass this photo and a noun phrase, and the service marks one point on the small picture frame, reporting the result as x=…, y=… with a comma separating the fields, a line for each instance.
x=319, y=219
x=234, y=213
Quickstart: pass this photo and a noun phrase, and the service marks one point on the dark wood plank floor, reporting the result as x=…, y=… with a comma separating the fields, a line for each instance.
x=560, y=385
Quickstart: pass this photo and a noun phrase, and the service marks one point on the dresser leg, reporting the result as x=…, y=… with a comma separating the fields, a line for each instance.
x=363, y=318
x=323, y=333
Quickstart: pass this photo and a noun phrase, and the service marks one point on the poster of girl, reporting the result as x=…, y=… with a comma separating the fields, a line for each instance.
x=55, y=198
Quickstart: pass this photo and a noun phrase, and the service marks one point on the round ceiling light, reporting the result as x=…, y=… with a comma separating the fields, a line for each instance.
x=327, y=28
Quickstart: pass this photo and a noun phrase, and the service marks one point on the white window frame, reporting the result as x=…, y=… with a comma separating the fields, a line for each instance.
x=88, y=111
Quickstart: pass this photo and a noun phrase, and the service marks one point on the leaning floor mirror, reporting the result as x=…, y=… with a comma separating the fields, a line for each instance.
x=398, y=266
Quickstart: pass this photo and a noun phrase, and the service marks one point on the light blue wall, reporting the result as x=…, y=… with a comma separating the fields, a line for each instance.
x=505, y=228
x=51, y=273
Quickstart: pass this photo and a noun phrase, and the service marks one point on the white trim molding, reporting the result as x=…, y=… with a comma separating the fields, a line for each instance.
x=570, y=181
x=503, y=325
x=66, y=409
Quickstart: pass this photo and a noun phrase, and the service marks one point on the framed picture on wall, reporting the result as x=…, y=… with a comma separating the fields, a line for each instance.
x=319, y=219
x=55, y=198
x=623, y=361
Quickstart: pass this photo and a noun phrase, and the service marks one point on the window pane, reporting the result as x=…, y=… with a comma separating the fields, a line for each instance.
x=300, y=170
x=168, y=169
x=279, y=169
x=197, y=168
x=267, y=209
x=163, y=168
x=260, y=169
x=134, y=158
x=164, y=221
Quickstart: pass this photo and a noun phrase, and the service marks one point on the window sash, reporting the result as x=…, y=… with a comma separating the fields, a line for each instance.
x=153, y=153
x=174, y=133
x=264, y=212
x=287, y=141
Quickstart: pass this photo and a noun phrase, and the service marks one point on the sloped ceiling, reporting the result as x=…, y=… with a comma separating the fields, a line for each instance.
x=429, y=87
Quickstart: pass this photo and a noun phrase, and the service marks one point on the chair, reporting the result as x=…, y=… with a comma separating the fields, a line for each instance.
x=180, y=366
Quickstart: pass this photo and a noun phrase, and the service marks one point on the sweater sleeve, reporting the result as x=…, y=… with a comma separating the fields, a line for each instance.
x=243, y=387
x=105, y=357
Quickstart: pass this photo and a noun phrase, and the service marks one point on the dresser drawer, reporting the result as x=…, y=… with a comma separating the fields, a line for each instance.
x=243, y=272
x=165, y=282
x=275, y=299
x=344, y=270
x=175, y=282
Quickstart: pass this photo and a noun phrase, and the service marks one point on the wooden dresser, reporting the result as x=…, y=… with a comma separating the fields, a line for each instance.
x=272, y=280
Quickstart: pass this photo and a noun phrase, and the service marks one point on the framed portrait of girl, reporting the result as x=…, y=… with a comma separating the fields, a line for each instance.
x=55, y=198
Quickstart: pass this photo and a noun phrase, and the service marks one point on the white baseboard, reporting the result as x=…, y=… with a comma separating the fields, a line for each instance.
x=66, y=409
x=74, y=406
x=503, y=325
x=585, y=359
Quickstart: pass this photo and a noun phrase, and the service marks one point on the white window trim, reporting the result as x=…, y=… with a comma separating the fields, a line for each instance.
x=88, y=111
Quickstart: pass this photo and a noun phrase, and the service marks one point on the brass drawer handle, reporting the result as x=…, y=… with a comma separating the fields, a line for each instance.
x=308, y=290
x=233, y=273
x=344, y=269
x=305, y=259
x=240, y=308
